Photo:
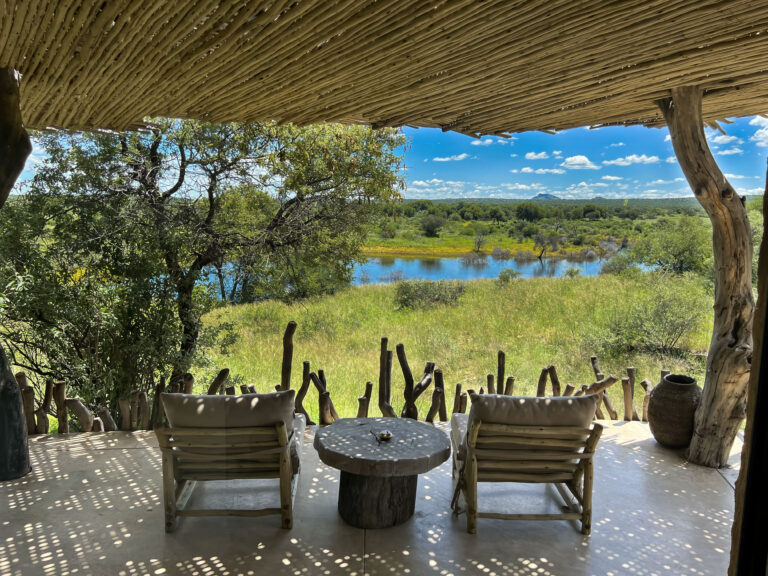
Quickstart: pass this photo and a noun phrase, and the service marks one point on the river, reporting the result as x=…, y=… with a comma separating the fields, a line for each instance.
x=391, y=269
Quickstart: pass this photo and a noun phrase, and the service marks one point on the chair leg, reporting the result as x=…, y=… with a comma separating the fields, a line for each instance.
x=169, y=493
x=286, y=499
x=470, y=476
x=586, y=514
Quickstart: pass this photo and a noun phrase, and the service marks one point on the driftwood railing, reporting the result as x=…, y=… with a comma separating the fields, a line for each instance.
x=136, y=413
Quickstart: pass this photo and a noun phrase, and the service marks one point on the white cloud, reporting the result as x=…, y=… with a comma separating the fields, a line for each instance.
x=632, y=159
x=616, y=145
x=454, y=158
x=557, y=153
x=529, y=170
x=671, y=160
x=735, y=176
x=483, y=142
x=612, y=178
x=721, y=139
x=579, y=162
x=513, y=155
x=667, y=138
x=536, y=155
x=760, y=138
x=731, y=151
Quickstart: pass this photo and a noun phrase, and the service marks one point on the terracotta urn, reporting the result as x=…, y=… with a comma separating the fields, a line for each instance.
x=671, y=408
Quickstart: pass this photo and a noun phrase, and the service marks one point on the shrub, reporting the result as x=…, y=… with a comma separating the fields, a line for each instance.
x=572, y=272
x=424, y=293
x=500, y=254
x=431, y=225
x=507, y=275
x=659, y=319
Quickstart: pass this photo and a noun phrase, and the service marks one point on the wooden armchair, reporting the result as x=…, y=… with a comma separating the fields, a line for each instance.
x=229, y=437
x=500, y=441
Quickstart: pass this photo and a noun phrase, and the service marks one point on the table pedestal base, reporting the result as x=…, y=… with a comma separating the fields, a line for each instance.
x=376, y=501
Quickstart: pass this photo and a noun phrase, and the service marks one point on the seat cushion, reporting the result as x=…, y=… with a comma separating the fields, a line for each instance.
x=527, y=411
x=458, y=434
x=225, y=411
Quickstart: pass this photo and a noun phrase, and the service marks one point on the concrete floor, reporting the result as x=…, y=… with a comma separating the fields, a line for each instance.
x=92, y=505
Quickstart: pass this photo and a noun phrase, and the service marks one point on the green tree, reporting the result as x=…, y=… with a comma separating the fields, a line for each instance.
x=431, y=225
x=141, y=227
x=681, y=244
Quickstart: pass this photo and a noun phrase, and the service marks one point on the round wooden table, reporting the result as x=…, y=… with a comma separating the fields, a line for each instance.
x=379, y=479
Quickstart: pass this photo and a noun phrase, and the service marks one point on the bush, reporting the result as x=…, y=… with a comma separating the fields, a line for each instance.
x=423, y=293
x=507, y=275
x=572, y=272
x=431, y=225
x=667, y=312
x=500, y=253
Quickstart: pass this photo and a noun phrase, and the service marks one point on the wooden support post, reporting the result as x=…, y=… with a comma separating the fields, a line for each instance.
x=489, y=382
x=435, y=406
x=631, y=374
x=440, y=384
x=302, y=393
x=509, y=386
x=555, y=380
x=188, y=383
x=156, y=420
x=59, y=397
x=724, y=396
x=217, y=383
x=229, y=390
x=41, y=414
x=598, y=411
x=244, y=390
x=569, y=389
x=614, y=415
x=15, y=146
x=252, y=390
x=134, y=409
x=125, y=413
x=626, y=389
x=457, y=400
x=541, y=388
x=98, y=425
x=647, y=386
x=28, y=403
x=385, y=375
x=596, y=367
x=501, y=366
x=106, y=418
x=409, y=408
x=144, y=415
x=21, y=380
x=364, y=401
x=463, y=403
x=285, y=369
x=81, y=413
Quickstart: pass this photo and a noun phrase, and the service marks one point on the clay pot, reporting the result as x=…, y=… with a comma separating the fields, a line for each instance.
x=671, y=408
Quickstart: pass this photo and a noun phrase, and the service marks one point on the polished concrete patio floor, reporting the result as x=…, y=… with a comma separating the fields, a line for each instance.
x=93, y=505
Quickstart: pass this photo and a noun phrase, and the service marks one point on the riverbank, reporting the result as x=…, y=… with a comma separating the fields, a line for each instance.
x=537, y=322
x=458, y=246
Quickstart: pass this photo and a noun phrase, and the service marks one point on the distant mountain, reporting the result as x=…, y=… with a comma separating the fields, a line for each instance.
x=599, y=198
x=544, y=196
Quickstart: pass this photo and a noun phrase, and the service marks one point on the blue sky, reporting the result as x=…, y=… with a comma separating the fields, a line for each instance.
x=611, y=162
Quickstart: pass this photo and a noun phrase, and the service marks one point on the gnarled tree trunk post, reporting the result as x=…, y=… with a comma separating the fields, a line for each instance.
x=14, y=149
x=723, y=402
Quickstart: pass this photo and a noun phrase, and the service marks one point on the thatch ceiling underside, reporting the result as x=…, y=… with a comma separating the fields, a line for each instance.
x=479, y=67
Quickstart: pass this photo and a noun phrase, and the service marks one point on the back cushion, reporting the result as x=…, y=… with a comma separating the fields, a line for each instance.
x=224, y=411
x=525, y=411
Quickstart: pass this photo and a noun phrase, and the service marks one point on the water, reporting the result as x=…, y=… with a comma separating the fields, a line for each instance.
x=392, y=269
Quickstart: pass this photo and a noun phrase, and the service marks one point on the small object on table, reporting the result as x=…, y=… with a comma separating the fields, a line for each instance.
x=379, y=479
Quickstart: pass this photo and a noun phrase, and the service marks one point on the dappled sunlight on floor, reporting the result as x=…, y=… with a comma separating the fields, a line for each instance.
x=93, y=505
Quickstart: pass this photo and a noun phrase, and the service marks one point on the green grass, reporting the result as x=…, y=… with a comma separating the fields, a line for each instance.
x=536, y=322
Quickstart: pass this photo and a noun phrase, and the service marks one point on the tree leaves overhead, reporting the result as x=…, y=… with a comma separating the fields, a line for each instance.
x=123, y=240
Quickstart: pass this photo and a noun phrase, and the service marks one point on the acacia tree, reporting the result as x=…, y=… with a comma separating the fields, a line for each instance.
x=135, y=224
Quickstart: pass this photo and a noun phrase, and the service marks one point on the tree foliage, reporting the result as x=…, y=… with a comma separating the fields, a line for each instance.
x=123, y=240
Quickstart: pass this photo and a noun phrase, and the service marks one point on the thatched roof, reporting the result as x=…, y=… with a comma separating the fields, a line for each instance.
x=473, y=66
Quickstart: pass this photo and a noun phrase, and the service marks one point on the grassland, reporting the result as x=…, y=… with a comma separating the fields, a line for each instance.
x=537, y=322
